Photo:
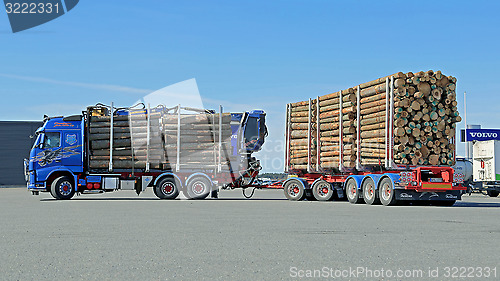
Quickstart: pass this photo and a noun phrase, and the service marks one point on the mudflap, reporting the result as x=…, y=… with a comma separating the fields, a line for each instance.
x=411, y=195
x=340, y=192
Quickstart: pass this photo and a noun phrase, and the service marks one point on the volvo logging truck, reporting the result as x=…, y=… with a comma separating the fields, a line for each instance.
x=175, y=149
x=385, y=141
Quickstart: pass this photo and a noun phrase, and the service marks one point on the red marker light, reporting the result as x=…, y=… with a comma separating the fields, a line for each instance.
x=482, y=164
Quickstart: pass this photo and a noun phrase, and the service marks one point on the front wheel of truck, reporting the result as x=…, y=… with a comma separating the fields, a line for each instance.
x=62, y=188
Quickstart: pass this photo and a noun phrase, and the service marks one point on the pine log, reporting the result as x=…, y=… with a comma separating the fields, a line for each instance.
x=351, y=114
x=375, y=126
x=380, y=80
x=349, y=93
x=373, y=90
x=372, y=134
x=372, y=109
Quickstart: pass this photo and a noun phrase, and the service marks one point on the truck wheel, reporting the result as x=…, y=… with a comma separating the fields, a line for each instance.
x=322, y=190
x=62, y=188
x=294, y=190
x=493, y=193
x=386, y=192
x=198, y=188
x=370, y=192
x=167, y=188
x=352, y=192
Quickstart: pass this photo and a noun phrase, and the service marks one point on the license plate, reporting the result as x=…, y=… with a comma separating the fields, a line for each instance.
x=436, y=185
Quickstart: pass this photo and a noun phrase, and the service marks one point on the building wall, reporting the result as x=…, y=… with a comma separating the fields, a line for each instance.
x=15, y=145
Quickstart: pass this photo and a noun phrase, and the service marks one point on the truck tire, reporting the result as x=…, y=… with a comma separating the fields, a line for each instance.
x=370, y=192
x=352, y=192
x=492, y=193
x=62, y=188
x=167, y=188
x=322, y=190
x=386, y=192
x=294, y=190
x=198, y=187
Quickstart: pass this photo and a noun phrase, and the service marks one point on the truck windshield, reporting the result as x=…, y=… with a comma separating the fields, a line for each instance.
x=38, y=140
x=52, y=140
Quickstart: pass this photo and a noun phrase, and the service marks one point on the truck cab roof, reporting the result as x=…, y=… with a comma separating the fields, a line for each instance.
x=58, y=123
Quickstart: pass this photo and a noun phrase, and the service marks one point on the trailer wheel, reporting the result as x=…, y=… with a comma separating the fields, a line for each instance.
x=167, y=188
x=198, y=188
x=370, y=192
x=322, y=190
x=294, y=190
x=62, y=188
x=386, y=192
x=352, y=192
x=493, y=193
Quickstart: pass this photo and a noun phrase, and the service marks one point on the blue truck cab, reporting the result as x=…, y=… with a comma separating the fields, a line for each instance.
x=59, y=158
x=58, y=150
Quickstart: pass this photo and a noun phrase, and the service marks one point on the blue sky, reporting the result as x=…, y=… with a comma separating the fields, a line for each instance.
x=247, y=54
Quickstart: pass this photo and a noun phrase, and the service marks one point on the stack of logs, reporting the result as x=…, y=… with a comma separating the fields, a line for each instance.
x=130, y=141
x=425, y=116
x=329, y=128
x=425, y=113
x=199, y=140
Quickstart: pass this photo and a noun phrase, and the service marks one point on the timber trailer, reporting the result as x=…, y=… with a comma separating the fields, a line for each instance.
x=386, y=183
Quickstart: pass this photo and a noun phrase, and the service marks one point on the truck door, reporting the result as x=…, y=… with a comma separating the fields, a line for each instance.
x=72, y=156
x=46, y=154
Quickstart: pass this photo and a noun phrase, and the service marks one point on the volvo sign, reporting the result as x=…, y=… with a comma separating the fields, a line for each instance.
x=480, y=135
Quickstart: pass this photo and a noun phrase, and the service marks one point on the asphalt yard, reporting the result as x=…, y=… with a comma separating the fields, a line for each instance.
x=121, y=235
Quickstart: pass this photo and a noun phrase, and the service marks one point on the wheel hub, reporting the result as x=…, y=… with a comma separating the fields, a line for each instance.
x=369, y=191
x=198, y=188
x=168, y=188
x=65, y=188
x=324, y=191
x=294, y=190
x=387, y=192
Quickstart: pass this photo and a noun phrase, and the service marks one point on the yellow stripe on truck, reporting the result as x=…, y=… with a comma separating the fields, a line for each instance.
x=436, y=185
